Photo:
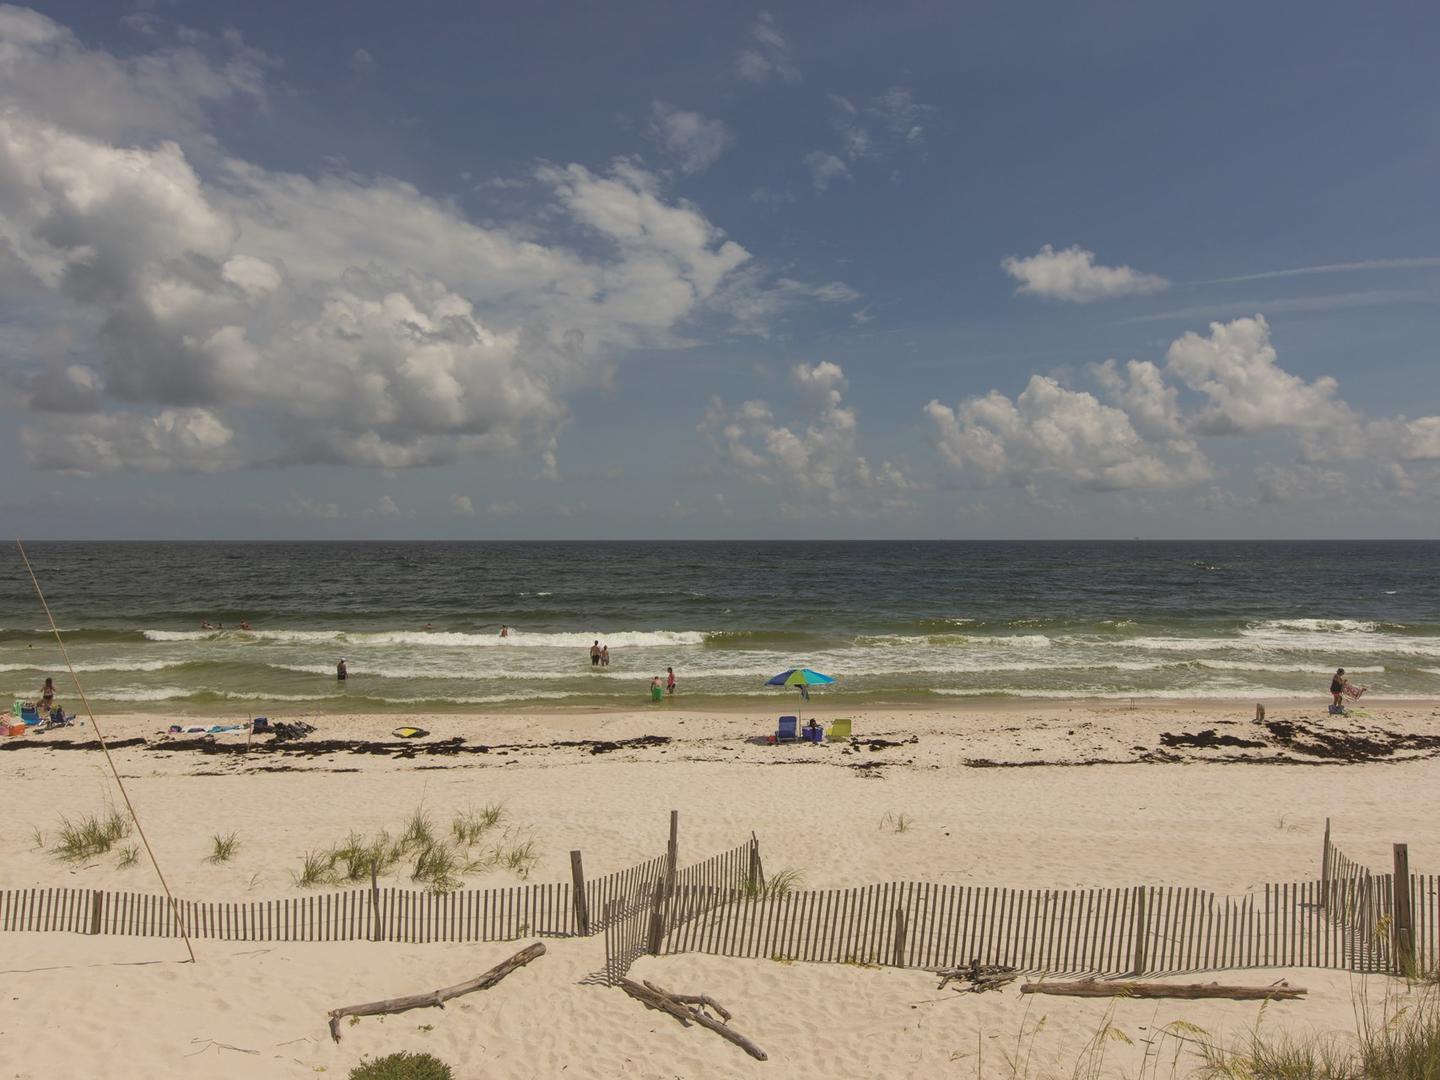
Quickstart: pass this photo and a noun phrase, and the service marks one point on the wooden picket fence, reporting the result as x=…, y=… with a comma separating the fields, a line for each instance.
x=625, y=902
x=1351, y=919
x=386, y=914
x=636, y=922
x=1137, y=930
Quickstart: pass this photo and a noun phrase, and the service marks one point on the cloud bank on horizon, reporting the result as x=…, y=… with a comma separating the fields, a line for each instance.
x=684, y=322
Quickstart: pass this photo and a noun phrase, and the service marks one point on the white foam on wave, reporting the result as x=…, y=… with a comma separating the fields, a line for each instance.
x=445, y=639
x=1332, y=626
x=1283, y=669
x=103, y=665
x=1165, y=644
x=1181, y=694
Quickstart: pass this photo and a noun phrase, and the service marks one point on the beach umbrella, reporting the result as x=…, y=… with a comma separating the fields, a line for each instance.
x=799, y=678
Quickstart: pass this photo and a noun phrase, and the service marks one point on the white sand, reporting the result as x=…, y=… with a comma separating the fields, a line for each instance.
x=81, y=1006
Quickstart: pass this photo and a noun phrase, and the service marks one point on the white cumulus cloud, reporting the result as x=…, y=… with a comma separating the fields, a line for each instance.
x=818, y=466
x=1072, y=274
x=340, y=318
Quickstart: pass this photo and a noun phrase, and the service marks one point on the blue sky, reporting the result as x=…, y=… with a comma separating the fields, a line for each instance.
x=673, y=270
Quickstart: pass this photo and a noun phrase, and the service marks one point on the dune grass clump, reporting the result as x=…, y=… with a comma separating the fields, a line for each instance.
x=439, y=863
x=900, y=823
x=419, y=831
x=403, y=1066
x=779, y=884
x=315, y=869
x=470, y=826
x=129, y=856
x=223, y=848
x=437, y=868
x=90, y=836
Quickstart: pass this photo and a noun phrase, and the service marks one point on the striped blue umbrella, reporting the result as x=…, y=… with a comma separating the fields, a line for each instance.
x=799, y=678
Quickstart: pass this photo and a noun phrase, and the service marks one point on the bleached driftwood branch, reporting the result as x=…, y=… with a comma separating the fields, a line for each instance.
x=687, y=1009
x=1095, y=988
x=437, y=998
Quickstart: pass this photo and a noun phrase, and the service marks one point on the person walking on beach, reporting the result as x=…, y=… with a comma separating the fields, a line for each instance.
x=670, y=681
x=341, y=671
x=604, y=655
x=595, y=654
x=1337, y=691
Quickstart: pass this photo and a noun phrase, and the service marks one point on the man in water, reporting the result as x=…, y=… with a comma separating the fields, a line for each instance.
x=341, y=671
x=595, y=654
x=670, y=681
x=504, y=630
x=1337, y=691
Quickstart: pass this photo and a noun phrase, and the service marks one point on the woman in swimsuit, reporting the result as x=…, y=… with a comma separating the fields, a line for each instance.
x=47, y=695
x=1337, y=688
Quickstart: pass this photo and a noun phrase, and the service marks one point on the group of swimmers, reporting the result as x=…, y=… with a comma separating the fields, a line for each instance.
x=208, y=625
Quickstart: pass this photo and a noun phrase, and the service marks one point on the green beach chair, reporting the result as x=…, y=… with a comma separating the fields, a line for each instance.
x=840, y=729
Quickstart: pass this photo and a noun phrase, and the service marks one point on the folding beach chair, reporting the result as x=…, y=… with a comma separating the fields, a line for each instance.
x=840, y=729
x=787, y=730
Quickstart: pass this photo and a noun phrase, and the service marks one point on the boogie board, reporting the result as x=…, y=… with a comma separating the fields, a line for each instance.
x=409, y=733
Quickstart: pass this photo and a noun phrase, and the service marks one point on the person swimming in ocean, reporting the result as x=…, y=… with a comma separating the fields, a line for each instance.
x=341, y=671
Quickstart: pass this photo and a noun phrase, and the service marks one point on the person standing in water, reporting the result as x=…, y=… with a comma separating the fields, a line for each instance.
x=595, y=654
x=341, y=671
x=670, y=681
x=504, y=630
x=604, y=655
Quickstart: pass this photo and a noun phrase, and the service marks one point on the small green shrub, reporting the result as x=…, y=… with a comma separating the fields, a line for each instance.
x=403, y=1066
x=129, y=856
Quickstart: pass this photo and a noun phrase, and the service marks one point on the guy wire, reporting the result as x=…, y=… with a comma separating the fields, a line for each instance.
x=174, y=907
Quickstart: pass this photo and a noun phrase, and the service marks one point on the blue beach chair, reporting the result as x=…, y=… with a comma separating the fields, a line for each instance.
x=787, y=729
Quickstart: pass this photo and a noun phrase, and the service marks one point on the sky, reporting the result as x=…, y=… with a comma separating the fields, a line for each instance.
x=682, y=270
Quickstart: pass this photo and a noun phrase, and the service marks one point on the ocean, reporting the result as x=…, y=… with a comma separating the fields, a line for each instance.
x=894, y=622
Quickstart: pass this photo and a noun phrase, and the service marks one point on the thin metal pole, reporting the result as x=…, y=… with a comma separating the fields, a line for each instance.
x=174, y=908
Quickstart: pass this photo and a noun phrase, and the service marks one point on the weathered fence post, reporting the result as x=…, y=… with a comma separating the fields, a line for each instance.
x=374, y=903
x=757, y=872
x=657, y=920
x=899, y=943
x=1325, y=870
x=672, y=853
x=97, y=906
x=1141, y=930
x=1403, y=927
x=582, y=903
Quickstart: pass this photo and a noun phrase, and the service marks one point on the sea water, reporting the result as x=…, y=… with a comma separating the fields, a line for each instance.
x=419, y=623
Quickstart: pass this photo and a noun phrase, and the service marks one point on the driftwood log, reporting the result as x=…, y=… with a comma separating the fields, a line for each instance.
x=1094, y=988
x=437, y=998
x=981, y=977
x=687, y=1008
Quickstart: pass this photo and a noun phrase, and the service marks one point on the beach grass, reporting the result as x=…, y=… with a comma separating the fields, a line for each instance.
x=900, y=823
x=129, y=856
x=439, y=864
x=781, y=883
x=89, y=836
x=419, y=831
x=403, y=1066
x=223, y=848
x=438, y=868
x=470, y=826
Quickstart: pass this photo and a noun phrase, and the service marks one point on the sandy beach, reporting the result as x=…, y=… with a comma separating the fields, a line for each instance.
x=1042, y=795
